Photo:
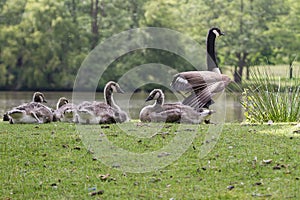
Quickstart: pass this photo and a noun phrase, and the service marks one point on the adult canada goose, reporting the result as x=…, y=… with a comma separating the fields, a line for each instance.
x=102, y=112
x=33, y=112
x=65, y=111
x=202, y=85
x=170, y=112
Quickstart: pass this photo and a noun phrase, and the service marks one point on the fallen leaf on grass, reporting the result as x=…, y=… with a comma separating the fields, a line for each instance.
x=296, y=131
x=267, y=161
x=116, y=165
x=230, y=187
x=260, y=195
x=97, y=193
x=155, y=180
x=163, y=154
x=92, y=189
x=104, y=176
x=95, y=158
x=189, y=129
x=258, y=183
x=54, y=185
x=77, y=148
x=277, y=167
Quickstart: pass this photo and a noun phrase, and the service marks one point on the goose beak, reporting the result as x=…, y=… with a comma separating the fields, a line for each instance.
x=222, y=33
x=44, y=101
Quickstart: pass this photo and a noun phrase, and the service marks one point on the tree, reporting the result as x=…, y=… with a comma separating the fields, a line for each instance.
x=245, y=22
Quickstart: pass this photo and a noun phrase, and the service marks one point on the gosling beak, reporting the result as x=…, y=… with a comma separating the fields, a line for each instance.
x=119, y=90
x=149, y=98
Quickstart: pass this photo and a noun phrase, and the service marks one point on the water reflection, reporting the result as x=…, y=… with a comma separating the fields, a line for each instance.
x=130, y=103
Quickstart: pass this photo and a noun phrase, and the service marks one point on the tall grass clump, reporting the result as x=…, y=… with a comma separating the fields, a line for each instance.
x=269, y=97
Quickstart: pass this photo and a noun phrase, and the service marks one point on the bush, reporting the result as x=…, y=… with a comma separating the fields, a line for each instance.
x=271, y=98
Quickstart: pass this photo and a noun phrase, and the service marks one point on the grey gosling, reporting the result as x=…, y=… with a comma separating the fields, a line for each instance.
x=107, y=112
x=33, y=112
x=65, y=111
x=171, y=112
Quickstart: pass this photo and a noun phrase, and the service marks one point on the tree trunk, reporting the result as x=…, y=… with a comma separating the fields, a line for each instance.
x=247, y=73
x=291, y=70
x=238, y=71
x=236, y=75
x=94, y=25
x=74, y=11
x=134, y=15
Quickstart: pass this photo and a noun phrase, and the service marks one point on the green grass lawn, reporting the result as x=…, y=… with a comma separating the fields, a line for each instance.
x=50, y=161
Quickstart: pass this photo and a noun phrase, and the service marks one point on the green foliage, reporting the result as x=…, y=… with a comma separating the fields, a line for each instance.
x=268, y=97
x=43, y=43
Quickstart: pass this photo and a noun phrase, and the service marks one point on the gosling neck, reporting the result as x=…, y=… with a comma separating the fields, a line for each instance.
x=160, y=100
x=61, y=102
x=109, y=100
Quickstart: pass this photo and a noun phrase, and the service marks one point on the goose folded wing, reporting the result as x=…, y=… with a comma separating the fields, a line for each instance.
x=188, y=81
x=199, y=99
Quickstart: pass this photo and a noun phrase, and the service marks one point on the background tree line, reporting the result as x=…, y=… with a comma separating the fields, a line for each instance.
x=44, y=42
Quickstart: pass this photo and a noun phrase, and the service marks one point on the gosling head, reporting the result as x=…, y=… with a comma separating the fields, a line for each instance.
x=155, y=95
x=113, y=87
x=61, y=101
x=39, y=97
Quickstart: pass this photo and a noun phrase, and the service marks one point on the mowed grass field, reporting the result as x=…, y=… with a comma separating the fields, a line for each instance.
x=279, y=71
x=51, y=161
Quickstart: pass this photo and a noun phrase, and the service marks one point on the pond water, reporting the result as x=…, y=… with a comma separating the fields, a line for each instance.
x=132, y=103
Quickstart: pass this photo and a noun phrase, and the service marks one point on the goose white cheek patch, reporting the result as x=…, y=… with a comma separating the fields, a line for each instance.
x=216, y=33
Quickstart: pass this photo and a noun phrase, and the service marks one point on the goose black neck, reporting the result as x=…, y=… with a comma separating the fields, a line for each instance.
x=211, y=54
